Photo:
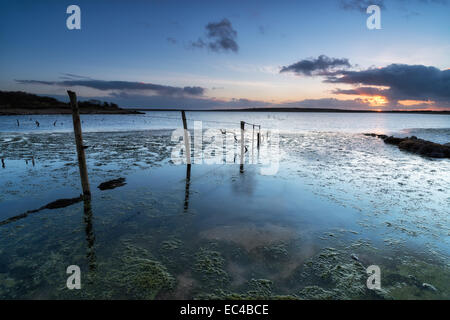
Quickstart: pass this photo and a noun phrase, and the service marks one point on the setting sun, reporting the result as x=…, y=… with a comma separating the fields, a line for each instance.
x=376, y=101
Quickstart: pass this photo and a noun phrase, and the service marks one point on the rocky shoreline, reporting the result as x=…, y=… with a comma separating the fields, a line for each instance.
x=416, y=145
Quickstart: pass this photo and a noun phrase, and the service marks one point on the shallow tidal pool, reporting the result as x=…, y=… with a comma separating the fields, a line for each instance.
x=338, y=203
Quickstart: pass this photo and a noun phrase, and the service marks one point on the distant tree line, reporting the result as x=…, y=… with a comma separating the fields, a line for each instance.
x=23, y=100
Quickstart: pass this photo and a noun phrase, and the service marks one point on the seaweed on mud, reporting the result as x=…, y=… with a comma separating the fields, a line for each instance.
x=146, y=278
x=333, y=274
x=209, y=265
x=141, y=275
x=275, y=252
x=257, y=289
x=171, y=244
x=412, y=278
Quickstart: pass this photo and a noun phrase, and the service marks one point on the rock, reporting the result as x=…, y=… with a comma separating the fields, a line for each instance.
x=62, y=203
x=429, y=287
x=115, y=183
x=426, y=148
x=393, y=140
x=354, y=257
x=416, y=145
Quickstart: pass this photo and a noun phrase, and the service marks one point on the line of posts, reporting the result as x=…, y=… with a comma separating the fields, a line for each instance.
x=83, y=167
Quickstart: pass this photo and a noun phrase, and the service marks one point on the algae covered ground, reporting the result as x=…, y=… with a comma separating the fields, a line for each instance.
x=338, y=204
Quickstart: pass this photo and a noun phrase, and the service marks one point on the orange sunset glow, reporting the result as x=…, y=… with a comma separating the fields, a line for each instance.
x=376, y=101
x=415, y=102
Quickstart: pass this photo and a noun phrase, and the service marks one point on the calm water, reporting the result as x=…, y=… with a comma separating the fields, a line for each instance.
x=433, y=127
x=339, y=202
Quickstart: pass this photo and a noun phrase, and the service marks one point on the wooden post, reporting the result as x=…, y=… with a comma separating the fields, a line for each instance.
x=258, y=137
x=187, y=142
x=79, y=143
x=242, y=147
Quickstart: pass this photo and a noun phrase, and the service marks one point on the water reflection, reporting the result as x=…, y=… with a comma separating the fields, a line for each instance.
x=90, y=237
x=188, y=182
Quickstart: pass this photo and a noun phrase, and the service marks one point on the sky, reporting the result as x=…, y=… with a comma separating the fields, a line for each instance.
x=231, y=54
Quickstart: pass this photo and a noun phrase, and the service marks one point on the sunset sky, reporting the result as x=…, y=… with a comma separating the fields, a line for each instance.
x=231, y=54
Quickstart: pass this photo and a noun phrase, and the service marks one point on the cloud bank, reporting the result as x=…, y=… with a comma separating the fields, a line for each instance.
x=396, y=86
x=390, y=84
x=322, y=65
x=122, y=86
x=403, y=81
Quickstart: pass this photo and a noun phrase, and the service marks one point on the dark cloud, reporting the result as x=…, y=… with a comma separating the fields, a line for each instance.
x=188, y=103
x=71, y=76
x=360, y=5
x=220, y=37
x=365, y=91
x=122, y=86
x=321, y=66
x=403, y=81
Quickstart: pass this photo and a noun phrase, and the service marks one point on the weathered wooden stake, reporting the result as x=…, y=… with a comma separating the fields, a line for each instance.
x=258, y=137
x=79, y=143
x=187, y=142
x=242, y=146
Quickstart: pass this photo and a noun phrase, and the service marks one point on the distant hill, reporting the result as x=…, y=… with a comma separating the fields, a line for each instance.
x=20, y=103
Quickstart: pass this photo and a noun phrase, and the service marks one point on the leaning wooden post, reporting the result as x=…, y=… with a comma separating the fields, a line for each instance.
x=79, y=143
x=187, y=142
x=242, y=146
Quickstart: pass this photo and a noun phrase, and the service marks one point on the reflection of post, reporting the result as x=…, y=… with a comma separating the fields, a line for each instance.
x=242, y=147
x=187, y=142
x=79, y=143
x=90, y=237
x=186, y=192
x=224, y=146
x=187, y=147
x=253, y=140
